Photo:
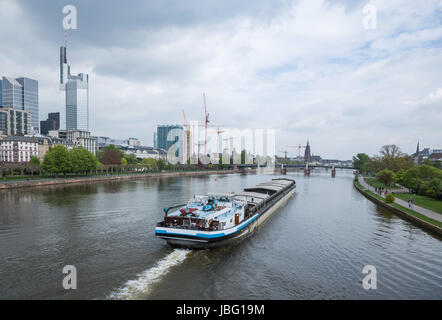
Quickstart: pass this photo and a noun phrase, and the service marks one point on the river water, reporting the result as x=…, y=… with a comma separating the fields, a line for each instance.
x=315, y=247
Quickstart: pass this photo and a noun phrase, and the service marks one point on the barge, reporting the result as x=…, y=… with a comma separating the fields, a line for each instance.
x=219, y=218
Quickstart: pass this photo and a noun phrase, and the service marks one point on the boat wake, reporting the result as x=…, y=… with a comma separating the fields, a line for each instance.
x=141, y=287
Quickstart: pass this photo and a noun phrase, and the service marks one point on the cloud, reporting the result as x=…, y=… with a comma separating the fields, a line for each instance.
x=307, y=68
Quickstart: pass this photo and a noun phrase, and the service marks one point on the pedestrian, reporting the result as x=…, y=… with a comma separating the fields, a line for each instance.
x=409, y=203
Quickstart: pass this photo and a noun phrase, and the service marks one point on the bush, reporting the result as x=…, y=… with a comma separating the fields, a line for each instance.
x=389, y=198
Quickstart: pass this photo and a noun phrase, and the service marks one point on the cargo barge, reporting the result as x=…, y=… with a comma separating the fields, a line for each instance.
x=219, y=218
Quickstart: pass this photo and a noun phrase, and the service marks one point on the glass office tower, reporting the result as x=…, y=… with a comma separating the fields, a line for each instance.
x=74, y=89
x=21, y=94
x=12, y=93
x=30, y=100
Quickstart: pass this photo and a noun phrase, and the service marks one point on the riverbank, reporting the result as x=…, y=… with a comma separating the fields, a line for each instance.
x=61, y=181
x=410, y=215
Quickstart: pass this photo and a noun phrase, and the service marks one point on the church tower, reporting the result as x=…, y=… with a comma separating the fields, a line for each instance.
x=307, y=153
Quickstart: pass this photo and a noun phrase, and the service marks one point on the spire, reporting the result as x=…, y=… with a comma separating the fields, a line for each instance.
x=417, y=149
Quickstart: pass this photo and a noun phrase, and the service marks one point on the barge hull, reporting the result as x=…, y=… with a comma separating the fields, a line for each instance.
x=192, y=243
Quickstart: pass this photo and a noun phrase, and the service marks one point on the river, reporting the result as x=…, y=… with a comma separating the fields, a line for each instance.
x=314, y=247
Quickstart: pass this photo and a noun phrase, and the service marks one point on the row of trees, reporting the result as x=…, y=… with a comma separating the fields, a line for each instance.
x=390, y=157
x=111, y=155
x=59, y=160
x=393, y=166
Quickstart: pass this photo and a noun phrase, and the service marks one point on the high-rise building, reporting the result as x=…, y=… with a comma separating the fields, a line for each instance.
x=307, y=153
x=163, y=132
x=15, y=122
x=52, y=123
x=74, y=113
x=21, y=94
x=1, y=90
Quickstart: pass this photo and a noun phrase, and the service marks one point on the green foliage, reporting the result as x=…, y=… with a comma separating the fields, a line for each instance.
x=360, y=161
x=424, y=180
x=390, y=158
x=123, y=162
x=161, y=164
x=57, y=160
x=130, y=158
x=386, y=176
x=150, y=163
x=35, y=161
x=83, y=161
x=433, y=163
x=389, y=198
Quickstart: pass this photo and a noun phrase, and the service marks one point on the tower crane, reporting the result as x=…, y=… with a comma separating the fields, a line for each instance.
x=285, y=153
x=206, y=121
x=299, y=149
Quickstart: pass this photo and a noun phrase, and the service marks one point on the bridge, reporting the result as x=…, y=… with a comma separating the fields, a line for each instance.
x=297, y=166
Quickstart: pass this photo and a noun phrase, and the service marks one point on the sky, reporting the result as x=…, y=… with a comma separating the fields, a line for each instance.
x=310, y=69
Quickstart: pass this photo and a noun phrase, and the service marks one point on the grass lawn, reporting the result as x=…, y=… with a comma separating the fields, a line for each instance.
x=411, y=212
x=422, y=201
x=375, y=183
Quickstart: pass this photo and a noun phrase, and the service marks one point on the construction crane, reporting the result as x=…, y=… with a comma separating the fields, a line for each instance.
x=218, y=131
x=206, y=121
x=187, y=132
x=285, y=153
x=299, y=149
x=231, y=139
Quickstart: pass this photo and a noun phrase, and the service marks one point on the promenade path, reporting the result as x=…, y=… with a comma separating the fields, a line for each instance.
x=426, y=212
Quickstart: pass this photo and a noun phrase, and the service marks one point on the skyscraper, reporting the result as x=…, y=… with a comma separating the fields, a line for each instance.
x=163, y=132
x=52, y=123
x=74, y=113
x=21, y=94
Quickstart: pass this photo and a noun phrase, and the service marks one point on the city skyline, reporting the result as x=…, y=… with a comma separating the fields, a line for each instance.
x=327, y=86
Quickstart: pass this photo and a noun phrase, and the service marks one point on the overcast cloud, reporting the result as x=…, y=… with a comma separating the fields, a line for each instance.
x=307, y=68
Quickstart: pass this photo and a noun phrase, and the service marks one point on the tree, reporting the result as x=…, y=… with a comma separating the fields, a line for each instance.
x=161, y=164
x=399, y=176
x=83, y=161
x=386, y=176
x=391, y=150
x=130, y=158
x=111, y=157
x=35, y=161
x=373, y=165
x=436, y=164
x=151, y=163
x=123, y=162
x=110, y=147
x=360, y=161
x=57, y=160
